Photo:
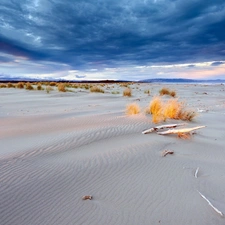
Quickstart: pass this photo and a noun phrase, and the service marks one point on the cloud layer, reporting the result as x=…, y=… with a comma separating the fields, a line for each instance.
x=100, y=38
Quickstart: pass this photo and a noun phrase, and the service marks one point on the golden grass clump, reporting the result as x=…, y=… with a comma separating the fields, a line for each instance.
x=3, y=86
x=167, y=91
x=147, y=92
x=39, y=87
x=173, y=94
x=155, y=106
x=95, y=88
x=172, y=109
x=10, y=85
x=164, y=91
x=61, y=87
x=132, y=109
x=52, y=83
x=29, y=86
x=20, y=85
x=127, y=92
x=184, y=135
x=124, y=85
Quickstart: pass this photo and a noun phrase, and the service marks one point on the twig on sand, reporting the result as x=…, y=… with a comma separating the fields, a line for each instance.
x=166, y=152
x=162, y=127
x=86, y=197
x=196, y=172
x=217, y=210
x=177, y=131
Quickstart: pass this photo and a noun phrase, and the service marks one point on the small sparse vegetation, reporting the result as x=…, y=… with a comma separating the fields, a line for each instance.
x=124, y=85
x=39, y=87
x=172, y=109
x=61, y=87
x=155, y=108
x=164, y=91
x=132, y=109
x=173, y=94
x=29, y=86
x=167, y=91
x=127, y=92
x=52, y=83
x=20, y=85
x=184, y=135
x=10, y=85
x=115, y=92
x=147, y=92
x=3, y=86
x=96, y=89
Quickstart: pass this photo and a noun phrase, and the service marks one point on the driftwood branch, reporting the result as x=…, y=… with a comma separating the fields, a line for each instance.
x=166, y=152
x=87, y=197
x=217, y=210
x=196, y=172
x=177, y=131
x=162, y=127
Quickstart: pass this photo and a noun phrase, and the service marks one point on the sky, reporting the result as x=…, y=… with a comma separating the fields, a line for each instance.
x=112, y=39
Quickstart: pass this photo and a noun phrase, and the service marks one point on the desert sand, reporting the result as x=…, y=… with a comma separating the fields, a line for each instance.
x=58, y=147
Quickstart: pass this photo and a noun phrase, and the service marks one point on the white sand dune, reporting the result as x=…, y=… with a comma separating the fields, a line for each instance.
x=58, y=147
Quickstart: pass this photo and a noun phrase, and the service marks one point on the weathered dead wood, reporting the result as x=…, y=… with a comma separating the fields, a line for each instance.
x=196, y=172
x=86, y=197
x=217, y=210
x=166, y=152
x=162, y=127
x=177, y=131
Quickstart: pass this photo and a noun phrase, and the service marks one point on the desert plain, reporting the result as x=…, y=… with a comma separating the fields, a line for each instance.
x=57, y=147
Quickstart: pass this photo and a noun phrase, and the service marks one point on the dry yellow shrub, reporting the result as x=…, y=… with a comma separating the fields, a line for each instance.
x=96, y=89
x=132, y=109
x=61, y=87
x=155, y=106
x=127, y=92
x=172, y=109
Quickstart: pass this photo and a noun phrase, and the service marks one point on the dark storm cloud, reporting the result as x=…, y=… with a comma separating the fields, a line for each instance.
x=217, y=63
x=191, y=66
x=101, y=33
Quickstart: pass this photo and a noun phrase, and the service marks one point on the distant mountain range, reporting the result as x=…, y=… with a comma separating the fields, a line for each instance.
x=180, y=80
x=4, y=78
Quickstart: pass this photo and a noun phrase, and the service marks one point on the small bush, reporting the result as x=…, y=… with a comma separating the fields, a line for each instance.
x=52, y=83
x=3, y=86
x=61, y=87
x=127, y=92
x=147, y=92
x=29, y=86
x=132, y=109
x=173, y=94
x=20, y=85
x=155, y=108
x=172, y=109
x=10, y=85
x=164, y=91
x=39, y=87
x=96, y=89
